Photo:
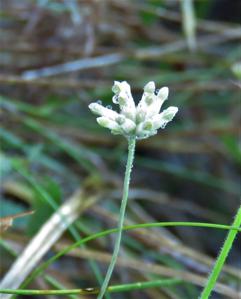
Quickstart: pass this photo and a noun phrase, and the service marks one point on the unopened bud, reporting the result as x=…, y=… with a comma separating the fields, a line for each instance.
x=149, y=87
x=163, y=93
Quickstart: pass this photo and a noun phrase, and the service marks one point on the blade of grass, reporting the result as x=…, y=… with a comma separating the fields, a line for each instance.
x=189, y=23
x=44, y=265
x=51, y=202
x=90, y=291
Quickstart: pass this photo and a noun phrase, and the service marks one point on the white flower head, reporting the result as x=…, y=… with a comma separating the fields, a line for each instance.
x=141, y=121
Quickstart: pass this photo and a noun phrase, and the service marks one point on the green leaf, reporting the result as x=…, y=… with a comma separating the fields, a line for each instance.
x=232, y=145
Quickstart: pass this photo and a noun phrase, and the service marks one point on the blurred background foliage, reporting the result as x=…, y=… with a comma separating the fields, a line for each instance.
x=56, y=58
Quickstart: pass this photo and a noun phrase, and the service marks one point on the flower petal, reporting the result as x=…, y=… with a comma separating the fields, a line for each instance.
x=141, y=121
x=150, y=87
x=158, y=100
x=123, y=95
x=120, y=86
x=144, y=105
x=128, y=126
x=160, y=120
x=108, y=123
x=163, y=93
x=169, y=113
x=103, y=111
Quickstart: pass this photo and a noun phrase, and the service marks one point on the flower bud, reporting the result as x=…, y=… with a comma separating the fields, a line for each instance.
x=149, y=99
x=147, y=125
x=141, y=121
x=121, y=86
x=149, y=87
x=116, y=88
x=108, y=123
x=103, y=111
x=140, y=115
x=160, y=120
x=120, y=119
x=163, y=93
x=122, y=98
x=128, y=126
x=128, y=112
x=169, y=113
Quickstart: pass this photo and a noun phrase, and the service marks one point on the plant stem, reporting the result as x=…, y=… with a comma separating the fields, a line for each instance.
x=130, y=159
x=221, y=258
x=85, y=240
x=167, y=282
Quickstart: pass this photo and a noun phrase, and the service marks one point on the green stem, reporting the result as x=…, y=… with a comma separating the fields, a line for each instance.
x=85, y=240
x=221, y=258
x=90, y=291
x=130, y=159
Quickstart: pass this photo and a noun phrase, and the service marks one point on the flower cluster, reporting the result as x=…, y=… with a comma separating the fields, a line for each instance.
x=140, y=121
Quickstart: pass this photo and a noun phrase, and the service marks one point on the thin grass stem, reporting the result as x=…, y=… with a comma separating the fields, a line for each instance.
x=111, y=289
x=64, y=251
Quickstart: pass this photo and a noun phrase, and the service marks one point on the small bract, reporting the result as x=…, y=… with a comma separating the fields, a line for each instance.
x=141, y=121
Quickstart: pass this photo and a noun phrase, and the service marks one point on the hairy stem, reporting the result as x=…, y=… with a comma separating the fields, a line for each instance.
x=221, y=258
x=130, y=159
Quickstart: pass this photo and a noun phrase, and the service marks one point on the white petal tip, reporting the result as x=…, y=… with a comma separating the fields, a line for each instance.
x=116, y=87
x=91, y=106
x=150, y=87
x=102, y=121
x=169, y=113
x=163, y=93
x=173, y=109
x=107, y=123
x=96, y=108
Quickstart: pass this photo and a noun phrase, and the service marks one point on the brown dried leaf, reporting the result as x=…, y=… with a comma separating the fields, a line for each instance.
x=6, y=222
